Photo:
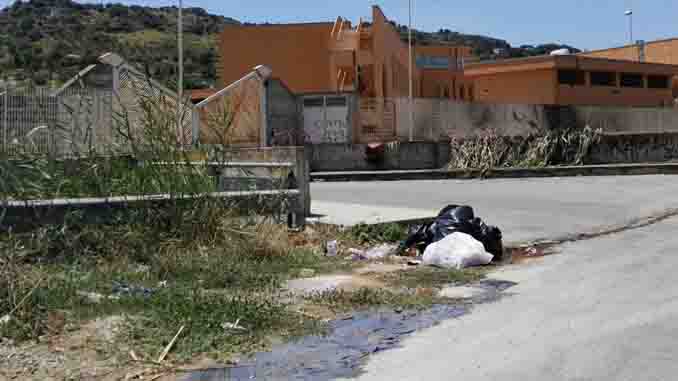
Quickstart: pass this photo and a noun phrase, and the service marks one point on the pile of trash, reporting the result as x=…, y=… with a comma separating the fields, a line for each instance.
x=456, y=239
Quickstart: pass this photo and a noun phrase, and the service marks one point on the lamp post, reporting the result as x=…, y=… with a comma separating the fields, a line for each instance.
x=629, y=14
x=411, y=98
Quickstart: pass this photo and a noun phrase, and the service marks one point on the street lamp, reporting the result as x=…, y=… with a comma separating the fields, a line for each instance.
x=409, y=32
x=629, y=14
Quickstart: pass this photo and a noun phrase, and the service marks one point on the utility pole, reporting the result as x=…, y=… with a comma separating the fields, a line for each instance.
x=409, y=32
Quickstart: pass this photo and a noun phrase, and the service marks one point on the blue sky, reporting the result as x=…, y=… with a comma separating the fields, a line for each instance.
x=586, y=24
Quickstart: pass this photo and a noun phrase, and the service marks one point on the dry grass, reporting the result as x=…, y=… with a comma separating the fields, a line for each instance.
x=488, y=150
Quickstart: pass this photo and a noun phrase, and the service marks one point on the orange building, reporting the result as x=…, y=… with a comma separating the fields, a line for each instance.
x=661, y=51
x=572, y=80
x=369, y=58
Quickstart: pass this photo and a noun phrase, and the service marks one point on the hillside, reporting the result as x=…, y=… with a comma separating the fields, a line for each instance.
x=51, y=40
x=483, y=46
x=48, y=41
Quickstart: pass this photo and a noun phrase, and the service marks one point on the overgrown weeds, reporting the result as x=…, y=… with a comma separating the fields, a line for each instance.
x=556, y=147
x=204, y=261
x=342, y=300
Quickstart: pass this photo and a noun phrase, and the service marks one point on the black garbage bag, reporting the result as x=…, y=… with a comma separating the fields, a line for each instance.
x=456, y=218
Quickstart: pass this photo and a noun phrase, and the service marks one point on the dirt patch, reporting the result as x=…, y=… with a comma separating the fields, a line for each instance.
x=72, y=354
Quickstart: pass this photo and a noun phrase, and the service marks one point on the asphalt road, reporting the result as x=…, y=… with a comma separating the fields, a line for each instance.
x=525, y=209
x=602, y=309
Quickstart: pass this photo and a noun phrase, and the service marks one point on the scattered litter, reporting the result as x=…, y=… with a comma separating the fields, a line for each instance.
x=332, y=248
x=162, y=284
x=306, y=273
x=142, y=269
x=413, y=262
x=534, y=252
x=123, y=289
x=381, y=251
x=5, y=319
x=357, y=254
x=236, y=326
x=170, y=345
x=457, y=251
x=95, y=297
x=456, y=219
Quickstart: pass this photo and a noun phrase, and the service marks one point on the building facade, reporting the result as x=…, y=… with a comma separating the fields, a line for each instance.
x=572, y=80
x=661, y=51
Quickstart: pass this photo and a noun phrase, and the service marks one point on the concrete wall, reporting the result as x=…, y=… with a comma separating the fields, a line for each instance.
x=442, y=119
x=635, y=148
x=297, y=53
x=628, y=121
x=354, y=157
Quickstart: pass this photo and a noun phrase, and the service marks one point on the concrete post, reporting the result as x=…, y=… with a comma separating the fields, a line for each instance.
x=302, y=173
x=263, y=133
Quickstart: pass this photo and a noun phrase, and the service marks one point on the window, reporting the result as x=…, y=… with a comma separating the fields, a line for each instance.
x=572, y=77
x=336, y=101
x=461, y=93
x=314, y=102
x=426, y=62
x=603, y=78
x=632, y=80
x=657, y=82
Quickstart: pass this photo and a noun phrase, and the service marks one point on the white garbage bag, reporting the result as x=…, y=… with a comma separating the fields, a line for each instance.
x=457, y=251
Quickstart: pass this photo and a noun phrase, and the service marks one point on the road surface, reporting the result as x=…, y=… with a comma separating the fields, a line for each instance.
x=603, y=309
x=525, y=209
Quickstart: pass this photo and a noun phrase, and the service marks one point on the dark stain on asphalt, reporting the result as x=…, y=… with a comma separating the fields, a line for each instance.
x=341, y=352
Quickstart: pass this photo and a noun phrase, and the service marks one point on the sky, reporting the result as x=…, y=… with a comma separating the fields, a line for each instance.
x=585, y=24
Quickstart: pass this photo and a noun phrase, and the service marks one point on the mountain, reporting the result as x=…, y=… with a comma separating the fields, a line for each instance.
x=484, y=47
x=51, y=40
x=46, y=42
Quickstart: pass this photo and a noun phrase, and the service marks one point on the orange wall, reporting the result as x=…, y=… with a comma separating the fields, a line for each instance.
x=297, y=53
x=657, y=52
x=665, y=51
x=533, y=87
x=613, y=96
x=390, y=54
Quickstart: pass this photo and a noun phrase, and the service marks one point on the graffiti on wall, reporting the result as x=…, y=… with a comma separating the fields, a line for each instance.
x=326, y=120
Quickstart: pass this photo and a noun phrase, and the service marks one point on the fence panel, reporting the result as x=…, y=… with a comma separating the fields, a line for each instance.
x=27, y=121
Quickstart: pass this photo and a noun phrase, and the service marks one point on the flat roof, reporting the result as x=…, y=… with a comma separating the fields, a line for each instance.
x=569, y=61
x=320, y=23
x=629, y=46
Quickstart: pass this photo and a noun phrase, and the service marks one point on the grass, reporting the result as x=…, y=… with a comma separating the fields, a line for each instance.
x=207, y=284
x=380, y=233
x=432, y=277
x=343, y=301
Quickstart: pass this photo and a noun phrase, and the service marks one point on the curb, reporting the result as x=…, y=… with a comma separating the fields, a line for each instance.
x=499, y=173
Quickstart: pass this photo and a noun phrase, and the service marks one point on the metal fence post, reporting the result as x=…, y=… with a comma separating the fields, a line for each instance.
x=5, y=107
x=195, y=126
